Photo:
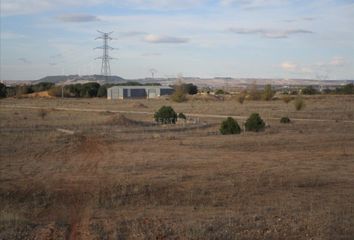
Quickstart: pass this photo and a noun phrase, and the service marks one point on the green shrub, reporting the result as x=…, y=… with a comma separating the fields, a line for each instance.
x=220, y=92
x=182, y=116
x=254, y=123
x=299, y=103
x=285, y=120
x=166, y=115
x=230, y=126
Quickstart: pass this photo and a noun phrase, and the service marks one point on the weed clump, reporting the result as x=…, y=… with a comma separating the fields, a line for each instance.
x=42, y=113
x=230, y=126
x=299, y=103
x=182, y=116
x=254, y=123
x=241, y=98
x=285, y=120
x=166, y=115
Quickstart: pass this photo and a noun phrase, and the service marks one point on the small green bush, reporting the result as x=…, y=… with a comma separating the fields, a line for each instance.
x=285, y=120
x=182, y=116
x=230, y=126
x=220, y=92
x=254, y=123
x=166, y=115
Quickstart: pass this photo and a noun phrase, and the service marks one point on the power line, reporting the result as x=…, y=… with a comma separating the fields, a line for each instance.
x=106, y=67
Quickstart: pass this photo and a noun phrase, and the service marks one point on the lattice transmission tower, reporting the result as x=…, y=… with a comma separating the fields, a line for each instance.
x=106, y=67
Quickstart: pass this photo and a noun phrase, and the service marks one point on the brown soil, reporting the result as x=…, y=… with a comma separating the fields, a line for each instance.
x=291, y=181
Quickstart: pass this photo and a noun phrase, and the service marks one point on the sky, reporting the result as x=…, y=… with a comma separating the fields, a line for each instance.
x=311, y=39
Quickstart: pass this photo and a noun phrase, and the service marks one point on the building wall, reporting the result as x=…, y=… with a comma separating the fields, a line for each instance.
x=124, y=92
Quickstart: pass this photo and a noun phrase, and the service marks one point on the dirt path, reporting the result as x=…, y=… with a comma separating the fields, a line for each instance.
x=189, y=114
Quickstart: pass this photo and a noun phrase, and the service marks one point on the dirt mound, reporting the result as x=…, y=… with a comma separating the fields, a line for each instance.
x=43, y=94
x=139, y=105
x=121, y=120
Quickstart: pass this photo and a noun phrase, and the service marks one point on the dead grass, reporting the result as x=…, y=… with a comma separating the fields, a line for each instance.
x=289, y=182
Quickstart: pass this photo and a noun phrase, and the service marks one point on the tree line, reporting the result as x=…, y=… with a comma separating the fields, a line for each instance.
x=78, y=90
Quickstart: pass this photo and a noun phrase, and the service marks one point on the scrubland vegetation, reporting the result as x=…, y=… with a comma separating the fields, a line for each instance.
x=78, y=169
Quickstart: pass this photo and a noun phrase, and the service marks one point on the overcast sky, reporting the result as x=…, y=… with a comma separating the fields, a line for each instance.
x=205, y=38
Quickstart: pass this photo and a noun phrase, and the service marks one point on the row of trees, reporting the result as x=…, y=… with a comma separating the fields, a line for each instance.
x=346, y=89
x=23, y=89
x=86, y=90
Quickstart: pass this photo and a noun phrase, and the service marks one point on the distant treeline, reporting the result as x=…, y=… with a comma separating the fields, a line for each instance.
x=93, y=89
x=346, y=89
x=85, y=90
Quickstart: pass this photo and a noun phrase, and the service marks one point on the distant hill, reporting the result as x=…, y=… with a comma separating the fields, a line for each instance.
x=72, y=79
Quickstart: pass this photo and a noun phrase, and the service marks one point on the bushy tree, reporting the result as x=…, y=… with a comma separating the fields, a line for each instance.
x=166, y=115
x=2, y=90
x=102, y=91
x=23, y=89
x=309, y=90
x=190, y=88
x=346, y=89
x=254, y=123
x=89, y=90
x=230, y=126
x=42, y=86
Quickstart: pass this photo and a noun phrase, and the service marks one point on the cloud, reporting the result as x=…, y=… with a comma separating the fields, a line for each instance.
x=24, y=60
x=319, y=69
x=151, y=38
x=268, y=33
x=78, y=17
x=288, y=66
x=337, y=62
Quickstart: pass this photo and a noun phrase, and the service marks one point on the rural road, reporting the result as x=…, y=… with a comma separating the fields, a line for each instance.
x=152, y=113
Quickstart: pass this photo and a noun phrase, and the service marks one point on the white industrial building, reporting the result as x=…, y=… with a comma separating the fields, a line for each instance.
x=131, y=92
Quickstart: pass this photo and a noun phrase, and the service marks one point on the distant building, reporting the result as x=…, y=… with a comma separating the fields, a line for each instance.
x=133, y=92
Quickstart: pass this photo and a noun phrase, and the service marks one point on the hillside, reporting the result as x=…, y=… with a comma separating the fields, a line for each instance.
x=72, y=79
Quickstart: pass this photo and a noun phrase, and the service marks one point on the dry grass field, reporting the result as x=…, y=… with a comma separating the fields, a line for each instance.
x=89, y=174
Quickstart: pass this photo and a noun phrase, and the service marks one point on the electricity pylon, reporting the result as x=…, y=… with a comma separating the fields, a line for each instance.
x=106, y=67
